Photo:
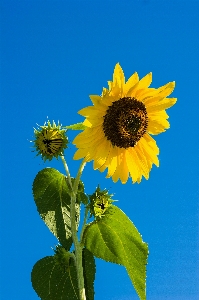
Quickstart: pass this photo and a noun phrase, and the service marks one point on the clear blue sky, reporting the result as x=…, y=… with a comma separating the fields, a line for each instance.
x=53, y=55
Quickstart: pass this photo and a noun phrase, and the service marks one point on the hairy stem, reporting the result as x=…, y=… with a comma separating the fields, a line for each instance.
x=84, y=223
x=77, y=245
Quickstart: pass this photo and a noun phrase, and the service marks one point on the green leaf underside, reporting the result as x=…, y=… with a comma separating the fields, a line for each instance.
x=114, y=238
x=89, y=268
x=52, y=282
x=78, y=126
x=52, y=198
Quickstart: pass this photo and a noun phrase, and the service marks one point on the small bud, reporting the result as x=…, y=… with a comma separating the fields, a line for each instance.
x=62, y=258
x=100, y=201
x=50, y=141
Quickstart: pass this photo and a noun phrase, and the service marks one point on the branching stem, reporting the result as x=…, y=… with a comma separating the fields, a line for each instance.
x=77, y=245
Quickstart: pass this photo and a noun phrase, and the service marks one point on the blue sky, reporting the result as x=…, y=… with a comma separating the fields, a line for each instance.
x=53, y=55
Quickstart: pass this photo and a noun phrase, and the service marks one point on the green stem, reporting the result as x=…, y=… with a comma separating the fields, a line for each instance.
x=77, y=245
x=84, y=223
x=67, y=171
x=79, y=173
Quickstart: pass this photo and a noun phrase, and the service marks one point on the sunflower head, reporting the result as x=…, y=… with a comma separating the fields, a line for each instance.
x=100, y=201
x=50, y=140
x=120, y=124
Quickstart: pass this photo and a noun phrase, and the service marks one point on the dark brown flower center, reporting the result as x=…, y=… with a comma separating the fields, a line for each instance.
x=125, y=122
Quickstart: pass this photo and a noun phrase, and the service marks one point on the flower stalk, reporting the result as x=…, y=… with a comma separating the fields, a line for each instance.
x=77, y=245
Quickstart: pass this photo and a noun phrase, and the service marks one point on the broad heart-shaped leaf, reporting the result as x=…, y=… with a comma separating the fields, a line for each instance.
x=52, y=198
x=89, y=269
x=114, y=238
x=52, y=281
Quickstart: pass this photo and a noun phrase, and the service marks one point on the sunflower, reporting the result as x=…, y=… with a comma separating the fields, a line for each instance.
x=119, y=125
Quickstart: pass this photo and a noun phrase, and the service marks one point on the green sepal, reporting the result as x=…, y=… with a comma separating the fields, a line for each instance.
x=89, y=270
x=54, y=281
x=77, y=126
x=114, y=238
x=52, y=198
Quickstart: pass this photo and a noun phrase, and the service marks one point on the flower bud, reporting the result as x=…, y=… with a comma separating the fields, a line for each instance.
x=50, y=140
x=100, y=201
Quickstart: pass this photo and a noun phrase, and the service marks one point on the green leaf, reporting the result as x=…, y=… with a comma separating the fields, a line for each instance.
x=78, y=126
x=89, y=269
x=114, y=238
x=52, y=281
x=52, y=197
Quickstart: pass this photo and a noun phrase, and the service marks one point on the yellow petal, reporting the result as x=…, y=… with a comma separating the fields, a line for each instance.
x=91, y=111
x=118, y=76
x=87, y=135
x=142, y=84
x=131, y=92
x=161, y=105
x=157, y=125
x=91, y=152
x=102, y=168
x=98, y=103
x=142, y=162
x=108, y=100
x=133, y=166
x=151, y=143
x=112, y=161
x=116, y=91
x=80, y=153
x=88, y=152
x=122, y=167
x=116, y=175
x=101, y=154
x=164, y=91
x=88, y=143
x=110, y=85
x=105, y=92
x=147, y=162
x=157, y=95
x=167, y=88
x=95, y=99
x=91, y=143
x=150, y=149
x=131, y=82
x=107, y=162
x=145, y=94
x=145, y=81
x=93, y=121
x=87, y=123
x=159, y=114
